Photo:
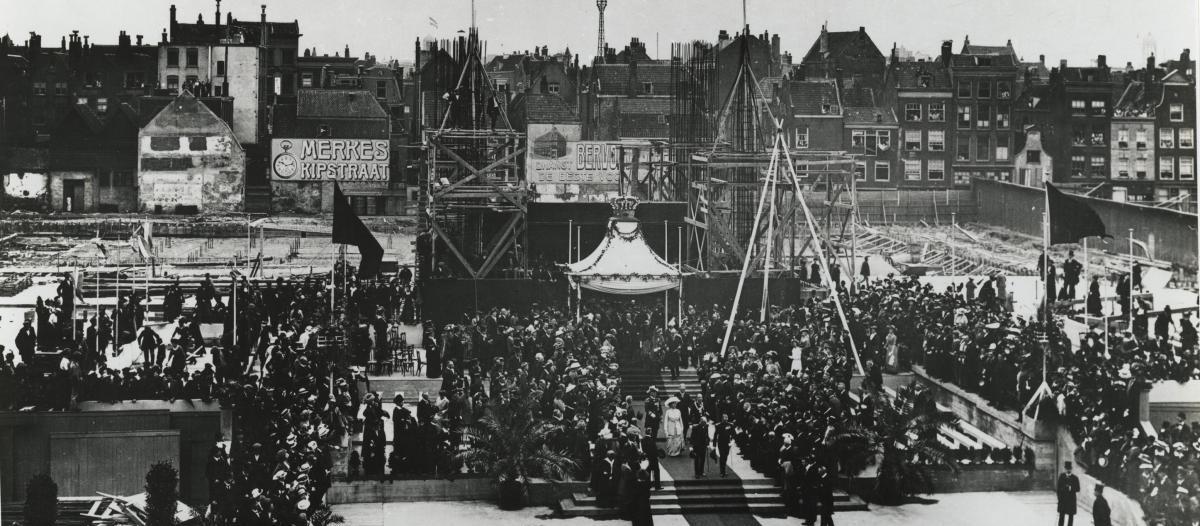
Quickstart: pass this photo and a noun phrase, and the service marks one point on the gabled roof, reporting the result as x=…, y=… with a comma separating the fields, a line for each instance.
x=548, y=108
x=1137, y=100
x=613, y=79
x=186, y=116
x=814, y=97
x=844, y=44
x=645, y=106
x=859, y=97
x=973, y=49
x=338, y=104
x=183, y=33
x=869, y=115
x=983, y=61
x=920, y=75
x=1176, y=76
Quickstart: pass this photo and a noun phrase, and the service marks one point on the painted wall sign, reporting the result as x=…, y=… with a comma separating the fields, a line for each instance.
x=330, y=160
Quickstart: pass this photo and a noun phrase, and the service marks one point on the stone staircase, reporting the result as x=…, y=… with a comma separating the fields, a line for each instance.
x=636, y=381
x=754, y=496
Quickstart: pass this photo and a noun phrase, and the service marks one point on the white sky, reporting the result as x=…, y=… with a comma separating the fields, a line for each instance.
x=1076, y=30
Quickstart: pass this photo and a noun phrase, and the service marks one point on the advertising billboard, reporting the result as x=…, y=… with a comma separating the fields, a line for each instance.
x=363, y=160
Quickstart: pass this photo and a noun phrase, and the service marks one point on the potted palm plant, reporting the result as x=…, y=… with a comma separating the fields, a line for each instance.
x=510, y=444
x=903, y=441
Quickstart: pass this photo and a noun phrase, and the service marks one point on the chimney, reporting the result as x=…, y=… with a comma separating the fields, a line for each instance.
x=1151, y=69
x=775, y=47
x=123, y=40
x=229, y=19
x=164, y=35
x=947, y=51
x=824, y=41
x=200, y=19
x=139, y=40
x=172, y=14
x=862, y=31
x=35, y=45
x=217, y=19
x=262, y=31
x=1101, y=61
x=347, y=50
x=895, y=56
x=1185, y=56
x=263, y=18
x=1062, y=65
x=722, y=36
x=1042, y=59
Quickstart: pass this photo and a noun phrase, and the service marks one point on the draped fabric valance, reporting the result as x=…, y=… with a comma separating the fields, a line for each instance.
x=624, y=264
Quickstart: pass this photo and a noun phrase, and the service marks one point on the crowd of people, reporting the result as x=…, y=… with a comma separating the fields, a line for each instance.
x=779, y=391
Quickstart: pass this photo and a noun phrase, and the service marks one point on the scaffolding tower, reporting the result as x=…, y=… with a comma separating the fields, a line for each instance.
x=475, y=194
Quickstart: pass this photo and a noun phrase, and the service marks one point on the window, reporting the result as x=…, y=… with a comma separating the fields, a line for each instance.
x=1033, y=157
x=81, y=100
x=912, y=111
x=193, y=57
x=937, y=141
x=961, y=177
x=221, y=67
x=1078, y=165
x=1079, y=138
x=60, y=88
x=289, y=56
x=381, y=89
x=1004, y=90
x=800, y=137
x=216, y=90
x=858, y=138
x=1176, y=113
x=101, y=105
x=648, y=88
x=964, y=89
x=1166, y=138
x=912, y=140
x=912, y=169
x=1098, y=138
x=883, y=171
x=984, y=119
x=306, y=79
x=1123, y=168
x=937, y=170
x=937, y=112
x=135, y=79
x=191, y=81
x=871, y=141
x=885, y=139
x=1166, y=167
x=172, y=81
x=1078, y=106
x=173, y=57
x=1122, y=138
x=983, y=147
x=1187, y=168
x=964, y=116
x=826, y=108
x=164, y=144
x=860, y=171
x=1139, y=168
x=1141, y=138
x=1187, y=138
x=1002, y=116
x=1002, y=150
x=962, y=148
x=39, y=88
x=553, y=88
x=197, y=144
x=1099, y=162
x=1099, y=107
x=985, y=90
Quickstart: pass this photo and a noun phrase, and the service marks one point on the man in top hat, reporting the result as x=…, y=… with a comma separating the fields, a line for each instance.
x=698, y=435
x=1067, y=488
x=1071, y=271
x=1101, y=512
x=26, y=342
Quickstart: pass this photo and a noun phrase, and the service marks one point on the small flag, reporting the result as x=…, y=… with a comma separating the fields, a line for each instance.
x=100, y=245
x=1071, y=218
x=433, y=22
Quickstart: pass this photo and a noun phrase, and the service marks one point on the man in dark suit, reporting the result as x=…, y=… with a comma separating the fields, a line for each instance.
x=650, y=449
x=148, y=342
x=698, y=435
x=723, y=435
x=1101, y=513
x=26, y=342
x=1067, y=488
x=602, y=479
x=1071, y=270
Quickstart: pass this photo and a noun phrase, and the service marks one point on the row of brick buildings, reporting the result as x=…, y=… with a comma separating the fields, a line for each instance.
x=71, y=116
x=977, y=111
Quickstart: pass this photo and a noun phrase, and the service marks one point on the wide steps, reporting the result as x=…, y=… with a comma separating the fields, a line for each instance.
x=758, y=497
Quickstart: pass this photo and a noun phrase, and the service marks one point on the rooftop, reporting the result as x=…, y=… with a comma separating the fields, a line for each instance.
x=338, y=104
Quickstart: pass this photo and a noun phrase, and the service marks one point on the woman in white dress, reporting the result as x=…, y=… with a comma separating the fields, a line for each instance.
x=893, y=349
x=674, y=428
x=797, y=357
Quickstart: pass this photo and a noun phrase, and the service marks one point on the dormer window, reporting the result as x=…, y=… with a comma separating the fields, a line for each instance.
x=825, y=108
x=925, y=81
x=648, y=88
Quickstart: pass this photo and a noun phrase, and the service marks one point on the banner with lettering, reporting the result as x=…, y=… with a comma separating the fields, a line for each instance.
x=330, y=160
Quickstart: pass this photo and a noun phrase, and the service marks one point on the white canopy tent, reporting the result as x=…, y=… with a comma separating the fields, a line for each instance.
x=623, y=263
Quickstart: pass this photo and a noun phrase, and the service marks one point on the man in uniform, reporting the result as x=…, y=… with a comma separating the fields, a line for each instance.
x=723, y=436
x=698, y=435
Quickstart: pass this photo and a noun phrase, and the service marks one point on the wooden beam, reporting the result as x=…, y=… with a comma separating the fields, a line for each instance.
x=502, y=243
x=453, y=249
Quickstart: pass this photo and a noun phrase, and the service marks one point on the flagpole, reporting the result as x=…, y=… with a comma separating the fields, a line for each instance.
x=233, y=296
x=117, y=314
x=98, y=351
x=1131, y=263
x=1086, y=270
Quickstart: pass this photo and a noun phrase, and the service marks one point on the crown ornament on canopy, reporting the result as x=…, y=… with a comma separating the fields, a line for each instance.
x=624, y=206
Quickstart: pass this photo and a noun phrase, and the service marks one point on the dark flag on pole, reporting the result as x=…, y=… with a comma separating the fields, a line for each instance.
x=1071, y=219
x=348, y=229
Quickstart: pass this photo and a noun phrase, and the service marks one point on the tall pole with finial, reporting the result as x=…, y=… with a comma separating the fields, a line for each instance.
x=601, y=4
